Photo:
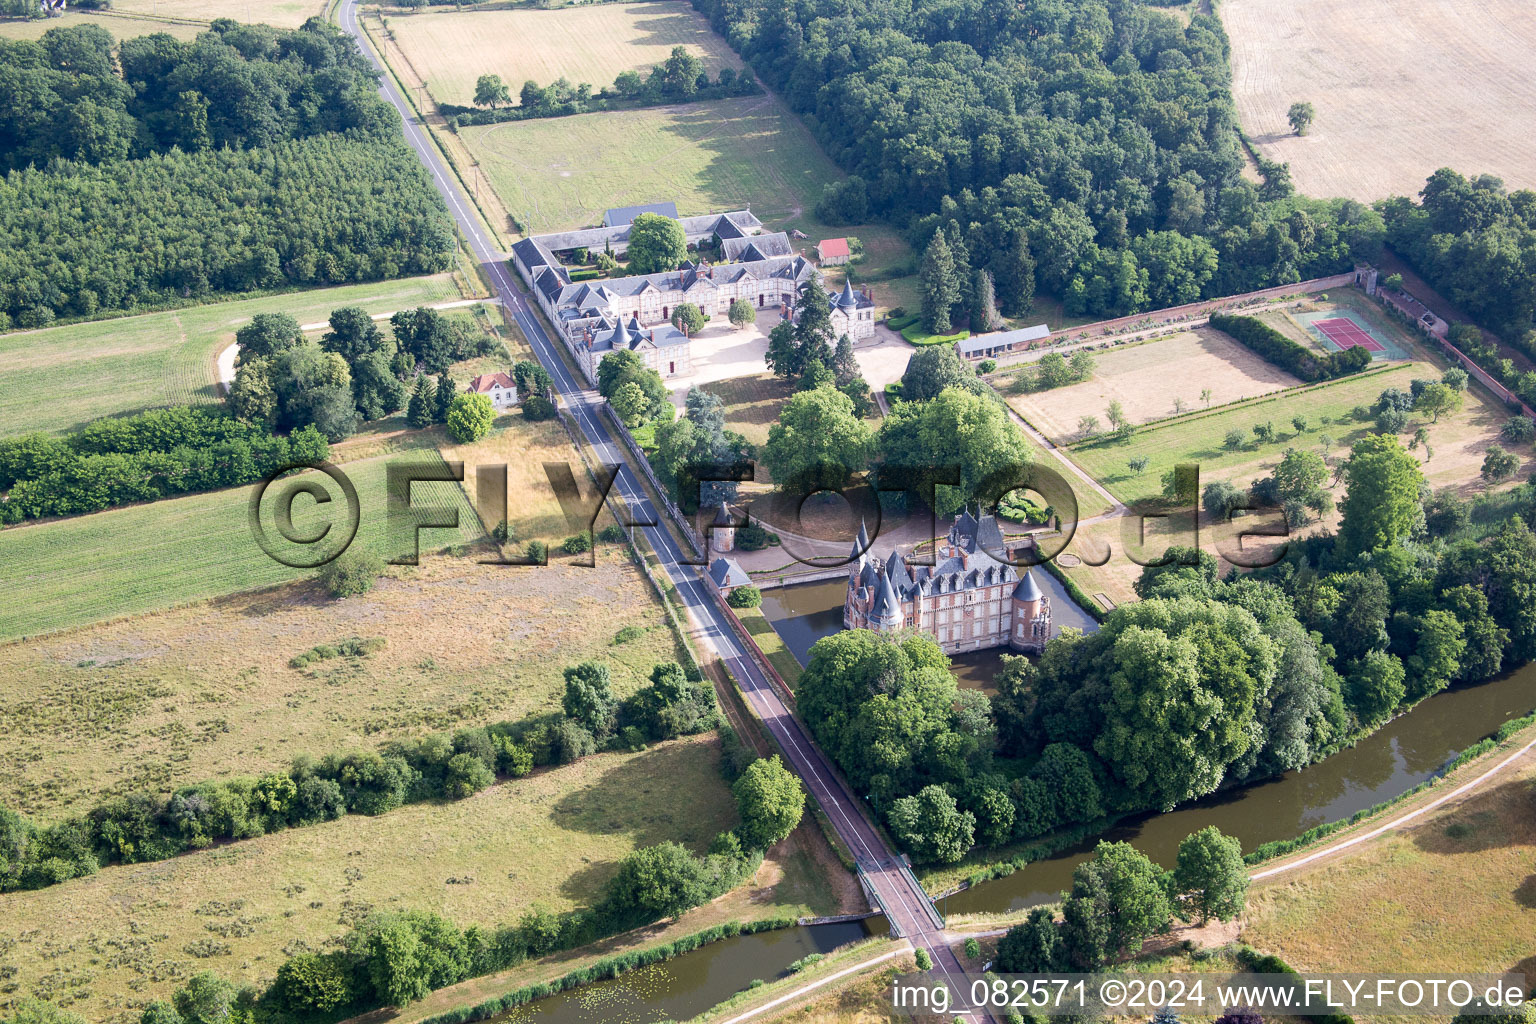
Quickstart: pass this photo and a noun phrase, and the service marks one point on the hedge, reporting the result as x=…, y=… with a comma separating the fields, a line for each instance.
x=609, y=967
x=1075, y=592
x=153, y=455
x=1268, y=963
x=1274, y=347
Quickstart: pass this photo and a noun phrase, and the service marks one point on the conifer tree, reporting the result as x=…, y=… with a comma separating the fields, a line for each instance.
x=423, y=406
x=941, y=289
x=443, y=398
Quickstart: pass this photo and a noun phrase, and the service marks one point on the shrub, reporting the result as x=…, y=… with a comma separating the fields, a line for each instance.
x=313, y=983
x=538, y=552
x=537, y=408
x=751, y=537
x=470, y=418
x=922, y=959
x=1518, y=430
x=577, y=544
x=972, y=949
x=352, y=574
x=628, y=633
x=745, y=597
x=986, y=366
x=613, y=533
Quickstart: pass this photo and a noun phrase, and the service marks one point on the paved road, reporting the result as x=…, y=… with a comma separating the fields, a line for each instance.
x=902, y=898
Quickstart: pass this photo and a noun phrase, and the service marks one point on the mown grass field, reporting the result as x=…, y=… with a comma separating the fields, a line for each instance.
x=59, y=378
x=111, y=942
x=1454, y=892
x=135, y=559
x=593, y=44
x=559, y=173
x=120, y=27
x=752, y=404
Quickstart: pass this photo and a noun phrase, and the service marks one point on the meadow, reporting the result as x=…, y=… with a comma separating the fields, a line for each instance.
x=1399, y=91
x=161, y=700
x=278, y=13
x=1451, y=892
x=450, y=49
x=106, y=944
x=59, y=378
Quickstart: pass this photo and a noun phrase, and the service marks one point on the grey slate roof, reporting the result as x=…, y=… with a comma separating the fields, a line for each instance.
x=1002, y=339
x=621, y=215
x=756, y=247
x=1028, y=589
x=630, y=335
x=726, y=573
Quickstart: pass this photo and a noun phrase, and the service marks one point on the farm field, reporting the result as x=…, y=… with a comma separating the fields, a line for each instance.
x=277, y=13
x=1147, y=379
x=204, y=691
x=120, y=27
x=108, y=943
x=1452, y=892
x=130, y=560
x=593, y=44
x=1401, y=89
x=561, y=173
x=53, y=379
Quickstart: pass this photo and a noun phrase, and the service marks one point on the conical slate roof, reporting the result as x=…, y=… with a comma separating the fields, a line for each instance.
x=1028, y=589
x=849, y=298
x=886, y=608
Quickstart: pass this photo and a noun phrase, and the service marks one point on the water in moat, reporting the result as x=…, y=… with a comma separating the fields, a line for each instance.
x=1392, y=760
x=687, y=985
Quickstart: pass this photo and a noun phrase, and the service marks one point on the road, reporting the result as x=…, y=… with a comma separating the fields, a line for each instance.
x=903, y=900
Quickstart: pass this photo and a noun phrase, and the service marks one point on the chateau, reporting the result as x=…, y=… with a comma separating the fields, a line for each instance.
x=595, y=317
x=968, y=600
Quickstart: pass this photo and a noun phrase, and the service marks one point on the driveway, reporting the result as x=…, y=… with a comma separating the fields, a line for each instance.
x=721, y=352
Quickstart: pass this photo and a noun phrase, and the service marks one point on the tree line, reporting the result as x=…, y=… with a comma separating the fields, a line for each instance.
x=682, y=78
x=248, y=160
x=157, y=454
x=1092, y=147
x=142, y=827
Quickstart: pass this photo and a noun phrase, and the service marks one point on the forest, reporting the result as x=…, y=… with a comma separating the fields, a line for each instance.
x=1100, y=134
x=161, y=171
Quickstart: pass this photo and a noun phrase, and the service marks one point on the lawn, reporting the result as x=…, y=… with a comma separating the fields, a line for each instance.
x=108, y=943
x=592, y=44
x=62, y=377
x=560, y=173
x=143, y=557
x=1453, y=892
x=752, y=404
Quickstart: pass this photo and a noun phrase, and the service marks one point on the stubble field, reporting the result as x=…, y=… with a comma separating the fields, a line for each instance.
x=278, y=13
x=121, y=28
x=592, y=44
x=1401, y=88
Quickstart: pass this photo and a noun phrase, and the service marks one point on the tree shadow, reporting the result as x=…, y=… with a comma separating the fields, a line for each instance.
x=1482, y=825
x=1525, y=895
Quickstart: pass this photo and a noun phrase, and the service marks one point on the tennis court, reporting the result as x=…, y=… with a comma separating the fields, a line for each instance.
x=1345, y=329
x=1347, y=334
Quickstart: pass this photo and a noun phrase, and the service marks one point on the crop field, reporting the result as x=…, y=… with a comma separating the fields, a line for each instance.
x=59, y=378
x=1149, y=380
x=198, y=692
x=592, y=44
x=120, y=27
x=108, y=943
x=1453, y=892
x=1401, y=89
x=561, y=173
x=135, y=559
x=278, y=13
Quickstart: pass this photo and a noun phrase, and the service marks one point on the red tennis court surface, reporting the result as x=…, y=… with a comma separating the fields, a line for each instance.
x=1345, y=333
